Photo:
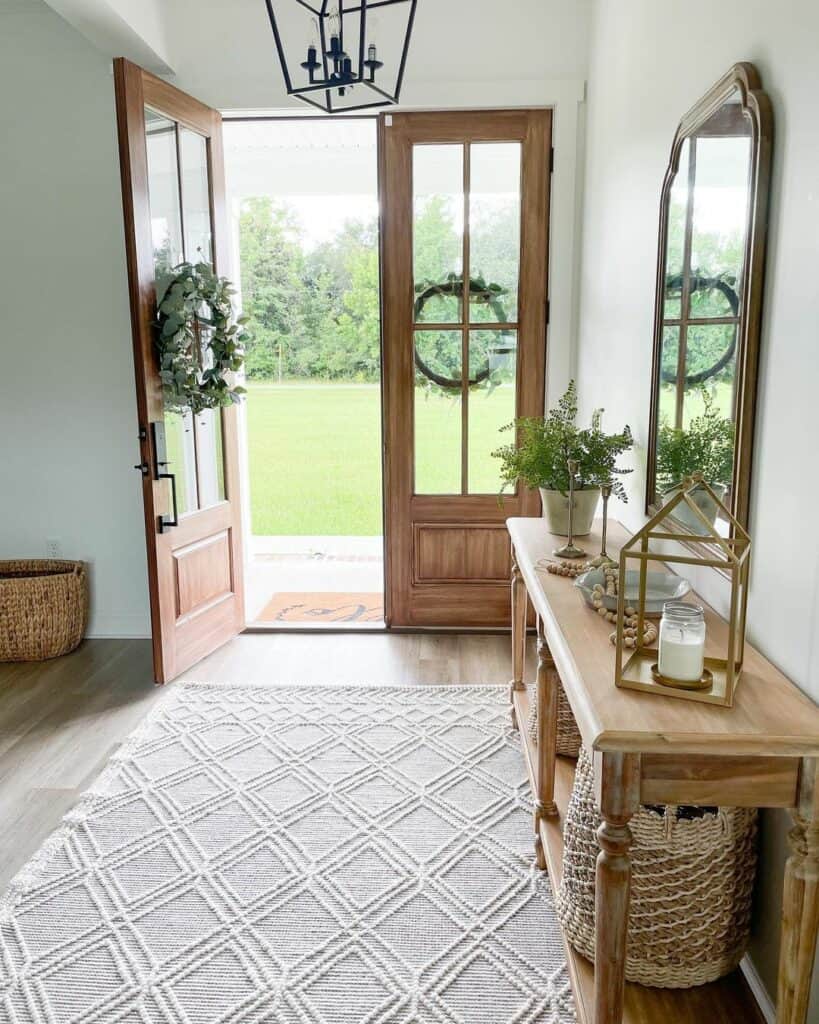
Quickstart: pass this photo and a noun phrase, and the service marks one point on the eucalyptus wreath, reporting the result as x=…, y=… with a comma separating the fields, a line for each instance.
x=198, y=341
x=479, y=291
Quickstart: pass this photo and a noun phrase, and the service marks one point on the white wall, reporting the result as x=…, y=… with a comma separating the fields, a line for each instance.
x=650, y=61
x=67, y=406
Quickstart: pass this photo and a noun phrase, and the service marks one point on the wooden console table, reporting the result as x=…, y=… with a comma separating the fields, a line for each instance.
x=763, y=752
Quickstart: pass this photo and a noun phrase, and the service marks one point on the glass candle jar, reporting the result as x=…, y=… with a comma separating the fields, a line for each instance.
x=682, y=642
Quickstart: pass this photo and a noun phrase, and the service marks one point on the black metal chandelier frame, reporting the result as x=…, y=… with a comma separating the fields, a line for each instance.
x=338, y=72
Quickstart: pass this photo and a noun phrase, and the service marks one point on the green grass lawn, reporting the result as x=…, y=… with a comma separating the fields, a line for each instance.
x=721, y=393
x=315, y=454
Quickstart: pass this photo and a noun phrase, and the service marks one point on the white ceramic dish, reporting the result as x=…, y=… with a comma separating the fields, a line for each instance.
x=660, y=587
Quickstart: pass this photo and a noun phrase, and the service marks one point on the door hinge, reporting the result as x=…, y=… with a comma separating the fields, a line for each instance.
x=551, y=160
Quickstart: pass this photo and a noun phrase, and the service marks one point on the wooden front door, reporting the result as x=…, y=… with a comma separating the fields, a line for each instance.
x=464, y=199
x=174, y=204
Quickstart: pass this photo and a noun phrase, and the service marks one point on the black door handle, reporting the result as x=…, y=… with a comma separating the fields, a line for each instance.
x=166, y=521
x=160, y=463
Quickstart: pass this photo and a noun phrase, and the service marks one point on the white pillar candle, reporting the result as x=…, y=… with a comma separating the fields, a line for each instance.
x=682, y=659
x=682, y=642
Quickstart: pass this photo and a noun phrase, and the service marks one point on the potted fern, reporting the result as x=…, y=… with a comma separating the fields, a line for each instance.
x=705, y=446
x=540, y=454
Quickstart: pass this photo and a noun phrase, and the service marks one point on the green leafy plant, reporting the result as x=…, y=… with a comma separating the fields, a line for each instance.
x=706, y=446
x=197, y=341
x=539, y=456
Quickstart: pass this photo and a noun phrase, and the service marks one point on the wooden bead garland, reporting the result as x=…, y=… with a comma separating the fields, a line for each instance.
x=611, y=574
x=632, y=619
x=570, y=569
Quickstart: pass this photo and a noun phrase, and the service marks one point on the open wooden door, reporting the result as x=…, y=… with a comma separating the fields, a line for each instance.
x=464, y=198
x=173, y=195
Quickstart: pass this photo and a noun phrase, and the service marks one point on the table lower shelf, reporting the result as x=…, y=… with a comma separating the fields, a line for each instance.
x=727, y=1001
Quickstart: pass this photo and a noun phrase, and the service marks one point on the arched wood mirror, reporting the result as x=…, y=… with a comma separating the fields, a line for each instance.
x=708, y=304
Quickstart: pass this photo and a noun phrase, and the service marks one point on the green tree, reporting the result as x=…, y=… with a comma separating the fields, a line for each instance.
x=315, y=313
x=272, y=286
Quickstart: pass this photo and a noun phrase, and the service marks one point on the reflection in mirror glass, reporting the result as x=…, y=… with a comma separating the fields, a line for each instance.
x=706, y=234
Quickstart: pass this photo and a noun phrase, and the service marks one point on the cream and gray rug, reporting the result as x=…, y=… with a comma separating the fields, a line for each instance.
x=294, y=855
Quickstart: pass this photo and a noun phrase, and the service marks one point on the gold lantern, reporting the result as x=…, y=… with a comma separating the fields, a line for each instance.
x=683, y=520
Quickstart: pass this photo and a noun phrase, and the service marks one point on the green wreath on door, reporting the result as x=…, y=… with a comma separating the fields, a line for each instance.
x=479, y=291
x=199, y=343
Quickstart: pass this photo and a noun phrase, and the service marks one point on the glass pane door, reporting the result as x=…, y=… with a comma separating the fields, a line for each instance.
x=179, y=191
x=466, y=267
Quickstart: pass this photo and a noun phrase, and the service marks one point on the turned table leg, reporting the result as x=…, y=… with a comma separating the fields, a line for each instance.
x=617, y=783
x=800, y=903
x=547, y=684
x=519, y=607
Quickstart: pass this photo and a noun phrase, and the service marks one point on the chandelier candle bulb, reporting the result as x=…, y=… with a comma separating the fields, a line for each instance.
x=682, y=642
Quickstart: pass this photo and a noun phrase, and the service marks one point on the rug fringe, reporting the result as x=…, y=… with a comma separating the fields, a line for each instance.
x=302, y=686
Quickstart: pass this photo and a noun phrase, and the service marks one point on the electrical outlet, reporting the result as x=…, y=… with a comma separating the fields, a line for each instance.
x=53, y=547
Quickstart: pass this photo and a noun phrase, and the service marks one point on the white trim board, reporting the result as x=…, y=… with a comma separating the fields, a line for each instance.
x=758, y=990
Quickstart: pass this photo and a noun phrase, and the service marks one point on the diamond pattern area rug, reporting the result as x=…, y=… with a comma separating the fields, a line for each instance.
x=294, y=855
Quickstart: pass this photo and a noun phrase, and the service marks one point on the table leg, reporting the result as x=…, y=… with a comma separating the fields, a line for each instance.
x=519, y=607
x=800, y=903
x=617, y=781
x=547, y=684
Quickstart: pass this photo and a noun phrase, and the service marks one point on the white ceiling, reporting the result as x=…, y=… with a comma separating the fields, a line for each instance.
x=222, y=51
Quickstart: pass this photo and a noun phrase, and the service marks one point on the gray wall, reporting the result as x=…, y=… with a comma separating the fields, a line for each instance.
x=650, y=61
x=67, y=406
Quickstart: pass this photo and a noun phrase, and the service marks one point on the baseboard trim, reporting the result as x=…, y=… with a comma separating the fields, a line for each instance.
x=760, y=993
x=118, y=627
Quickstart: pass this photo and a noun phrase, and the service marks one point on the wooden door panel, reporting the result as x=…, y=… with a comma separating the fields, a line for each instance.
x=194, y=567
x=482, y=605
x=447, y=553
x=204, y=574
x=447, y=557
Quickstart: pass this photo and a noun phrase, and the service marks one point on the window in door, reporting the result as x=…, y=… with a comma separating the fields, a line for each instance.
x=179, y=192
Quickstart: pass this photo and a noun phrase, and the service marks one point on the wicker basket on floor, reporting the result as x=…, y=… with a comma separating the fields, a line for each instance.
x=43, y=608
x=691, y=886
x=568, y=736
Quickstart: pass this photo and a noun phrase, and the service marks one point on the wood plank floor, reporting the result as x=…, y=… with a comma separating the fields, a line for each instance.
x=60, y=721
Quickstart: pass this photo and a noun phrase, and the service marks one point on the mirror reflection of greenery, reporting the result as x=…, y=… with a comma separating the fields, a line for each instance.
x=314, y=310
x=706, y=446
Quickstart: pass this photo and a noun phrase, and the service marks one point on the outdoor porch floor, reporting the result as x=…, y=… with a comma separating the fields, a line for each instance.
x=315, y=581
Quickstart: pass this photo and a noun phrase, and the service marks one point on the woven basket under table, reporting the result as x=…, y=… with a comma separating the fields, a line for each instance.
x=568, y=735
x=691, y=885
x=43, y=608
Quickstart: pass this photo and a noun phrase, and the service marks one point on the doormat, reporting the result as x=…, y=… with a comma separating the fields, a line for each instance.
x=285, y=855
x=323, y=607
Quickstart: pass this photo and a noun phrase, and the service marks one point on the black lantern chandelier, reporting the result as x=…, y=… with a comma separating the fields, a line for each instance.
x=344, y=55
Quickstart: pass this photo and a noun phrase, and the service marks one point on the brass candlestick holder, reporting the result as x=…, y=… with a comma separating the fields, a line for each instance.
x=570, y=550
x=603, y=558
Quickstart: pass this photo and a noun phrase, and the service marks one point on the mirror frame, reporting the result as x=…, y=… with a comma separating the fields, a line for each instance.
x=745, y=79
